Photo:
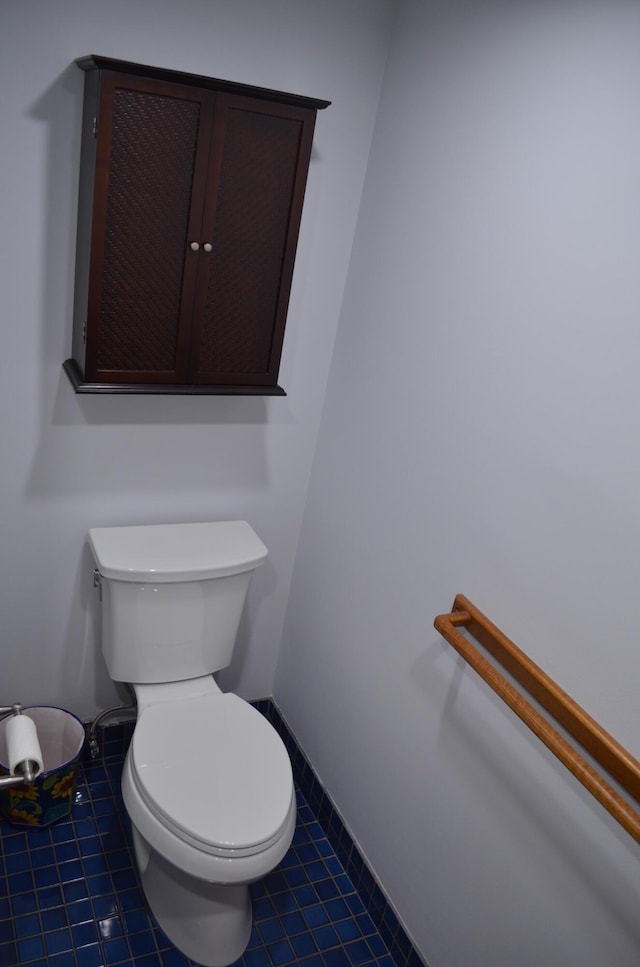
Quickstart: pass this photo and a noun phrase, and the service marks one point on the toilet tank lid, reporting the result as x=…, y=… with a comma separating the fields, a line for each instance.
x=165, y=553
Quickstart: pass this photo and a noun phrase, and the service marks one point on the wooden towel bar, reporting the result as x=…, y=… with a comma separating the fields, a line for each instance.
x=601, y=747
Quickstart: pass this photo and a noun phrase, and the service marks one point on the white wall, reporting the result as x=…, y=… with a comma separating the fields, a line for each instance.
x=72, y=462
x=480, y=434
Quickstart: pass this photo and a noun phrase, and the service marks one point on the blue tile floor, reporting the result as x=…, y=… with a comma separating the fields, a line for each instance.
x=70, y=896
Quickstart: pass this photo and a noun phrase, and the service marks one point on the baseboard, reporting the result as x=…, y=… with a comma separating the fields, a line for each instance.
x=355, y=866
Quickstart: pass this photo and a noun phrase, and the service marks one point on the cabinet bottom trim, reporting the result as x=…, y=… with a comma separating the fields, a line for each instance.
x=72, y=370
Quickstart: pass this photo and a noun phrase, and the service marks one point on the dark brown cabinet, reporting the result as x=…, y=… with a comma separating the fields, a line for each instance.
x=191, y=194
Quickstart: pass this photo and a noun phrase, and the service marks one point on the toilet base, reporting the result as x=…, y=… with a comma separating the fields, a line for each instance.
x=210, y=924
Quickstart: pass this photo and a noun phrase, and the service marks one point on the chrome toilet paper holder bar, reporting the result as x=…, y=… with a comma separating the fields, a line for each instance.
x=28, y=776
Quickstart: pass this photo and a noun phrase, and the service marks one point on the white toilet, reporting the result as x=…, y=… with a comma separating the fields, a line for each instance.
x=207, y=781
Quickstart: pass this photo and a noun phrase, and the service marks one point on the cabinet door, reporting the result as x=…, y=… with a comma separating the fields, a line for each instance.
x=259, y=159
x=151, y=169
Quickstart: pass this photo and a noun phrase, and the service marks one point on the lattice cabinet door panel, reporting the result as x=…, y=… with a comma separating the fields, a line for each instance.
x=253, y=210
x=191, y=193
x=152, y=157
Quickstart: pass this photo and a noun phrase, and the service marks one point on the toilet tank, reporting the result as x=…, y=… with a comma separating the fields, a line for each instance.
x=172, y=596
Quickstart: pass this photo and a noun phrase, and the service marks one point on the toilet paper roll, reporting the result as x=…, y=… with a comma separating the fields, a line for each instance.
x=22, y=743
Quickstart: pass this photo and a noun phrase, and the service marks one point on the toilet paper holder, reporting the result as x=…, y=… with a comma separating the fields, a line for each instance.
x=28, y=776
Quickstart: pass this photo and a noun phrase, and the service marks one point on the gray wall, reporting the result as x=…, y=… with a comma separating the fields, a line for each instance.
x=72, y=462
x=480, y=434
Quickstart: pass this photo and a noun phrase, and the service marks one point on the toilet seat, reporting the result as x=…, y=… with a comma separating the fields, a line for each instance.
x=201, y=765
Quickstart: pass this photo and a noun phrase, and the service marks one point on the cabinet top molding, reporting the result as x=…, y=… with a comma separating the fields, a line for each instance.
x=97, y=62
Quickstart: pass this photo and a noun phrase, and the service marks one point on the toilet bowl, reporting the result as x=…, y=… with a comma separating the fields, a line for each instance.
x=207, y=781
x=196, y=767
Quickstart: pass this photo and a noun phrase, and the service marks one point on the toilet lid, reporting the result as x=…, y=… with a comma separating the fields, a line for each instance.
x=215, y=771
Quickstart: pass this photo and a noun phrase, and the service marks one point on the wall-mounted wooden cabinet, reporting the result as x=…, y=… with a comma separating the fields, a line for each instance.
x=191, y=194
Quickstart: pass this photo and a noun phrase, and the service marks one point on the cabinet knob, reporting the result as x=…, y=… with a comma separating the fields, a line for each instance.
x=208, y=247
x=194, y=246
